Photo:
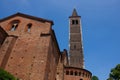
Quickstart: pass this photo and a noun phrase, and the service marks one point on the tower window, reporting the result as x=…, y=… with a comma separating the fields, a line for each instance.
x=74, y=22
x=74, y=46
x=14, y=26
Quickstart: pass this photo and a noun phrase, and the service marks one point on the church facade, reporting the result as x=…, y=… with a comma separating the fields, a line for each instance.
x=29, y=49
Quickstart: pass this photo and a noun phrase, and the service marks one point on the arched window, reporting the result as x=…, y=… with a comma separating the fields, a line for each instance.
x=67, y=72
x=29, y=27
x=76, y=73
x=14, y=25
x=83, y=74
x=71, y=72
x=74, y=22
x=79, y=73
x=86, y=74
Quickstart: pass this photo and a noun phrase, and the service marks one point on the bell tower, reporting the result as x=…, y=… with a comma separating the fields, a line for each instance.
x=75, y=41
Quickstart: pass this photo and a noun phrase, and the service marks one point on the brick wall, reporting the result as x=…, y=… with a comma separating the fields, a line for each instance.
x=72, y=73
x=3, y=35
x=32, y=55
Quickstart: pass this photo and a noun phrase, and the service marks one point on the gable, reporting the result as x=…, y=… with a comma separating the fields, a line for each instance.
x=27, y=16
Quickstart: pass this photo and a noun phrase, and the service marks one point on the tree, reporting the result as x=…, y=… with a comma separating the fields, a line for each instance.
x=115, y=73
x=4, y=75
x=110, y=78
x=95, y=78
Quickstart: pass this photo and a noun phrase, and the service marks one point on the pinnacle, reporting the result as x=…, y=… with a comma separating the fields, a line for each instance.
x=74, y=12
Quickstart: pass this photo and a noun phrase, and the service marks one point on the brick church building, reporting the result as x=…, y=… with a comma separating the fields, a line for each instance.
x=29, y=49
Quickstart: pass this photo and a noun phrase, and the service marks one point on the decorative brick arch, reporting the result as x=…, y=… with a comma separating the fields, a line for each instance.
x=11, y=23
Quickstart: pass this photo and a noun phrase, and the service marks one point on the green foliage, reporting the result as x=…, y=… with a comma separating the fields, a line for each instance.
x=115, y=73
x=95, y=78
x=4, y=75
x=110, y=78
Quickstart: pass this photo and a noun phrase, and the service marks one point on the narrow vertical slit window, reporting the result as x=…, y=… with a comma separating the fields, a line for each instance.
x=14, y=26
x=29, y=27
x=76, y=21
x=73, y=21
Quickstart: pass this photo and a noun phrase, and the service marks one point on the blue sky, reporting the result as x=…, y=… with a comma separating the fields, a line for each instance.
x=100, y=27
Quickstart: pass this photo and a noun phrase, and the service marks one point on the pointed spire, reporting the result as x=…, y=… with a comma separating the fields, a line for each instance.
x=74, y=12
